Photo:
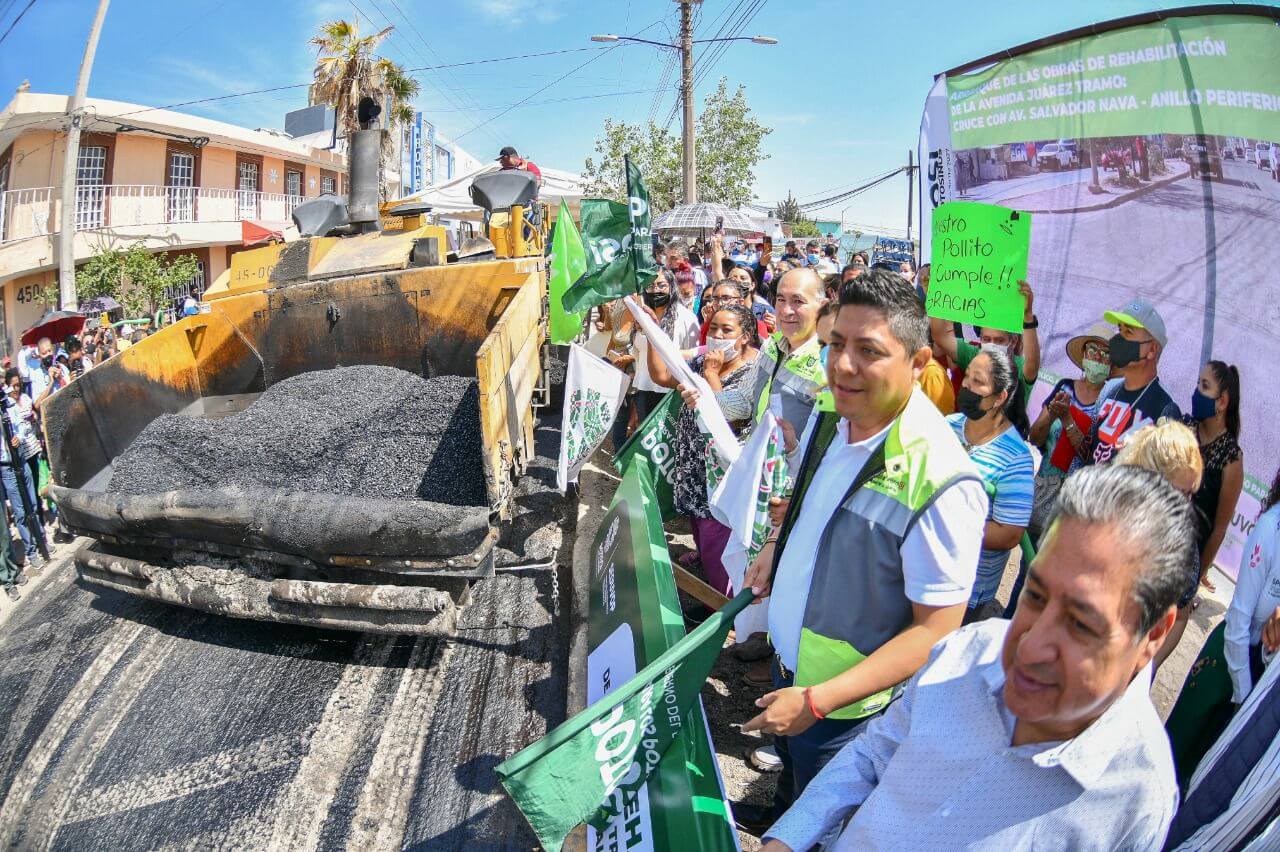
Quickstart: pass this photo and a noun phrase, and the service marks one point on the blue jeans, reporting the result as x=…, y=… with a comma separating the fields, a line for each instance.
x=804, y=755
x=14, y=497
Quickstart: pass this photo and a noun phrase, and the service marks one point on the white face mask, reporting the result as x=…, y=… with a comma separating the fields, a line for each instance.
x=727, y=345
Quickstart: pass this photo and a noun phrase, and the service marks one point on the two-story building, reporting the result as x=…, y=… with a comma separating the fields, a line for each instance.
x=177, y=183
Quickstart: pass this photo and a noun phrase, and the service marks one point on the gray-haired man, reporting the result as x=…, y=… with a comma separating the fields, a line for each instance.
x=1036, y=732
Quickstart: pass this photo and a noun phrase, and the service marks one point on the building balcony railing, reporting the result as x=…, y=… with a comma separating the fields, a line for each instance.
x=28, y=213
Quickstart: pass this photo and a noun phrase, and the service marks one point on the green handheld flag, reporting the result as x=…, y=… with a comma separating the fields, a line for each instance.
x=619, y=248
x=568, y=262
x=593, y=765
x=655, y=441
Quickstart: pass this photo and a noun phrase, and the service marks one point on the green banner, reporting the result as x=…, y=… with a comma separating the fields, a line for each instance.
x=979, y=254
x=637, y=763
x=619, y=247
x=568, y=262
x=655, y=441
x=1211, y=74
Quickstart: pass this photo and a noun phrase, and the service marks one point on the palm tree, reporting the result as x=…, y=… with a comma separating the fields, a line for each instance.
x=347, y=70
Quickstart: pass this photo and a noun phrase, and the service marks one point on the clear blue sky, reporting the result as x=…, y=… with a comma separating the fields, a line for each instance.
x=842, y=90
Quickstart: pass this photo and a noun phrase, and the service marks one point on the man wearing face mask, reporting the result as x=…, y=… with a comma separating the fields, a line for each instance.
x=1136, y=398
x=47, y=376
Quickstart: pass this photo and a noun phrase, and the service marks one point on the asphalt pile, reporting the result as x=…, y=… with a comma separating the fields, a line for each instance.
x=366, y=431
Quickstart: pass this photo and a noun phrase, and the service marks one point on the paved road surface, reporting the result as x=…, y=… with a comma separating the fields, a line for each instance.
x=131, y=724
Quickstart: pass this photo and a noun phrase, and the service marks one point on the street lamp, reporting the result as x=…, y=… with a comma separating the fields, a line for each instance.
x=686, y=83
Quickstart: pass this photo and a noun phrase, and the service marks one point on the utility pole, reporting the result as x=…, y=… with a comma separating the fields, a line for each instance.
x=911, y=188
x=70, y=161
x=686, y=95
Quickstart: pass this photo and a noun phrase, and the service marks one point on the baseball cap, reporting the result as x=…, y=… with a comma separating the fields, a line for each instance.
x=508, y=151
x=1142, y=314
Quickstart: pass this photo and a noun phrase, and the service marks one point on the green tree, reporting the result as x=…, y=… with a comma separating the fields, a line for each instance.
x=789, y=211
x=347, y=70
x=134, y=277
x=729, y=141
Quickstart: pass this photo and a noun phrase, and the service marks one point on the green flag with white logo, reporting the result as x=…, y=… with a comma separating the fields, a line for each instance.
x=568, y=262
x=619, y=247
x=636, y=764
x=654, y=440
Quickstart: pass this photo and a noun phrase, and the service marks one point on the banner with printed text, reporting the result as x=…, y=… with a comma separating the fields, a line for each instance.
x=1148, y=156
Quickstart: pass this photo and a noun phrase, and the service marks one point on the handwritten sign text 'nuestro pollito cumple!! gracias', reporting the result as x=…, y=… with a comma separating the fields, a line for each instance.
x=979, y=255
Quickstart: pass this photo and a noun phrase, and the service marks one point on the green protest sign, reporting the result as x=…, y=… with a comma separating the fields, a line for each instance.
x=637, y=764
x=979, y=254
x=655, y=441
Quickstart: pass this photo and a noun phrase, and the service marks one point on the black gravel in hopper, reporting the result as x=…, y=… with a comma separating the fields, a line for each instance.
x=364, y=430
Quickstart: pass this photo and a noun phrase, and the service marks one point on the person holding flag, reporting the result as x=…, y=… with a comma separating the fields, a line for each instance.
x=876, y=556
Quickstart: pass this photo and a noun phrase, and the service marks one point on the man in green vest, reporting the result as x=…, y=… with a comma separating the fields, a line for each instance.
x=877, y=554
x=788, y=374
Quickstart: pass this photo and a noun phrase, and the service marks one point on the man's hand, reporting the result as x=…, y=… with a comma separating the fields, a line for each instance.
x=689, y=394
x=757, y=577
x=13, y=442
x=1271, y=632
x=771, y=322
x=786, y=712
x=778, y=510
x=1028, y=313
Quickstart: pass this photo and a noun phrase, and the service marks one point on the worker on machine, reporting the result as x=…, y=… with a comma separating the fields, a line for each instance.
x=510, y=159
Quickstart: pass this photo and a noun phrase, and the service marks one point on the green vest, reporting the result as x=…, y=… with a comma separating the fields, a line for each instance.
x=799, y=377
x=857, y=598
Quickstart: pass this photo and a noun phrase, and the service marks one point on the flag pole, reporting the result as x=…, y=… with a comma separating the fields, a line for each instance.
x=631, y=214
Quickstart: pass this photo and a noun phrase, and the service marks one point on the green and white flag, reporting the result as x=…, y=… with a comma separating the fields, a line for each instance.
x=654, y=440
x=637, y=764
x=619, y=247
x=568, y=263
x=739, y=494
x=593, y=392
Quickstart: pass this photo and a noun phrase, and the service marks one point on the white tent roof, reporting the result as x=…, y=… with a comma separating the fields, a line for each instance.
x=451, y=199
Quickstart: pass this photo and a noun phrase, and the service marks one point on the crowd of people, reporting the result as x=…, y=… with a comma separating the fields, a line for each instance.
x=40, y=370
x=907, y=706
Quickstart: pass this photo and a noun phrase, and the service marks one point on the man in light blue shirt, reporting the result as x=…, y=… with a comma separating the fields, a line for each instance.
x=1039, y=732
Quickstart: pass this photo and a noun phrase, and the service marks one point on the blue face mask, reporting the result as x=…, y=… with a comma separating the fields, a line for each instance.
x=1202, y=407
x=822, y=355
x=813, y=259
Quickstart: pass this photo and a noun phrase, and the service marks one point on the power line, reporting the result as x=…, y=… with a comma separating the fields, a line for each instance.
x=835, y=199
x=568, y=73
x=15, y=20
x=253, y=92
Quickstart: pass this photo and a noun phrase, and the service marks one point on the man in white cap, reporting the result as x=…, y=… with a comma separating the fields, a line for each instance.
x=1136, y=398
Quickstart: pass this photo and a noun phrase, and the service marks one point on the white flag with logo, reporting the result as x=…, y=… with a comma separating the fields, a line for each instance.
x=740, y=501
x=593, y=392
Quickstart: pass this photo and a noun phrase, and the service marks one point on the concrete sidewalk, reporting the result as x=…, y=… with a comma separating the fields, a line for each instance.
x=1076, y=197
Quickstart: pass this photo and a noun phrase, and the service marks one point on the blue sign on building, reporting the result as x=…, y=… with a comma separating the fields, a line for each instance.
x=415, y=148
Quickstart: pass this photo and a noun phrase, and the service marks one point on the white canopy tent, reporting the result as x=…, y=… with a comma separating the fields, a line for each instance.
x=451, y=200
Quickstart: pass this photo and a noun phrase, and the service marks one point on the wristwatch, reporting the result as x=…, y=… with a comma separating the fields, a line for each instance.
x=1035, y=322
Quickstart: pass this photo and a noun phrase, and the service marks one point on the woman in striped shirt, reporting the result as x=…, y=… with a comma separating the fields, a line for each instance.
x=992, y=425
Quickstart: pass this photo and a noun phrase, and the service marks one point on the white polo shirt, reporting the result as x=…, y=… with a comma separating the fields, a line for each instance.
x=939, y=554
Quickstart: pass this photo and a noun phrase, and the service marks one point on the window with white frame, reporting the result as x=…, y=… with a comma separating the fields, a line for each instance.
x=91, y=175
x=248, y=186
x=181, y=189
x=327, y=185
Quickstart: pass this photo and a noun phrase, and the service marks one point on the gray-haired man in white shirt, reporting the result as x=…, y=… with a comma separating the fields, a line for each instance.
x=1037, y=732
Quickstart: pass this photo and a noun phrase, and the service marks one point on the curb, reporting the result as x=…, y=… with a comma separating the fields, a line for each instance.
x=1112, y=201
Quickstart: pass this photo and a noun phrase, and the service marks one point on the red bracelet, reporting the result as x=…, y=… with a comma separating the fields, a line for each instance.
x=808, y=699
